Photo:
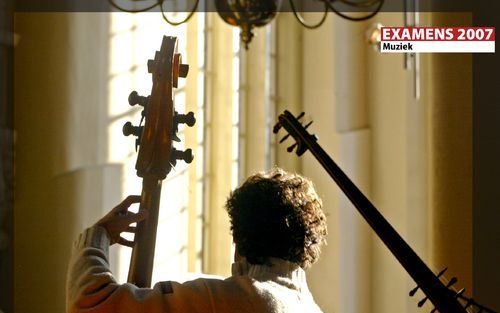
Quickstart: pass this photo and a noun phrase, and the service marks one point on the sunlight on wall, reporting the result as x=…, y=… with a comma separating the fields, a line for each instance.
x=236, y=108
x=235, y=157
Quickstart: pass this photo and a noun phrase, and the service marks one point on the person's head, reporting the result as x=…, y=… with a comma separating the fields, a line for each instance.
x=277, y=214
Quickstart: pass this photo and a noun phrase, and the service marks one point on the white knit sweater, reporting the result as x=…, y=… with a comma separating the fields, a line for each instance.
x=91, y=287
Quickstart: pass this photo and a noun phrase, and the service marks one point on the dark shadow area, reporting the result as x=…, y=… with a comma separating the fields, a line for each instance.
x=486, y=164
x=7, y=158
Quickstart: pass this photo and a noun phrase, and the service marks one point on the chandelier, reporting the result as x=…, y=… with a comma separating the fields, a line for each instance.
x=248, y=14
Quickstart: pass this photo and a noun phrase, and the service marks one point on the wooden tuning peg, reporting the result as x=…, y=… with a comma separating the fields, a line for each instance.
x=277, y=128
x=186, y=156
x=421, y=302
x=134, y=99
x=284, y=138
x=290, y=149
x=452, y=281
x=187, y=119
x=129, y=129
x=414, y=291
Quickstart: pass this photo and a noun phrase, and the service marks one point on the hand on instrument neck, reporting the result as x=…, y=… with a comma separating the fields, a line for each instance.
x=118, y=220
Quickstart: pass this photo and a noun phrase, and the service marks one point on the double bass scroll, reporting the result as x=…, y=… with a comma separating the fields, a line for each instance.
x=156, y=154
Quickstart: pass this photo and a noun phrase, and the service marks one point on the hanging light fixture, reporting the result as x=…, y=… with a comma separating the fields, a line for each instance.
x=248, y=14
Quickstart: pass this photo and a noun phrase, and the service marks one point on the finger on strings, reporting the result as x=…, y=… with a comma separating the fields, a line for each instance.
x=125, y=242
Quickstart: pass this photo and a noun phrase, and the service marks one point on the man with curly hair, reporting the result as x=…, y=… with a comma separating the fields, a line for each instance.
x=278, y=227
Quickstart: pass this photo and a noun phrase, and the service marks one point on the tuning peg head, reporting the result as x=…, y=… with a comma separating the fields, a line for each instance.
x=277, y=127
x=290, y=149
x=134, y=99
x=413, y=291
x=186, y=156
x=187, y=119
x=452, y=281
x=442, y=272
x=421, y=302
x=129, y=129
x=284, y=138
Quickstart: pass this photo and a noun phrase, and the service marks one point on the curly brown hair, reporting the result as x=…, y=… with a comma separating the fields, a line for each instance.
x=277, y=214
